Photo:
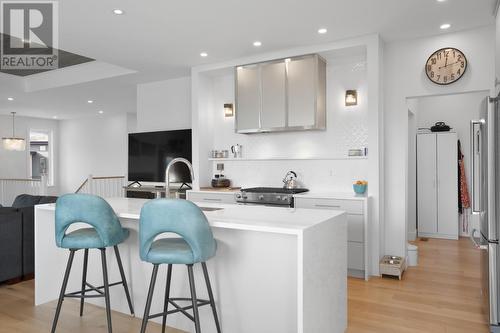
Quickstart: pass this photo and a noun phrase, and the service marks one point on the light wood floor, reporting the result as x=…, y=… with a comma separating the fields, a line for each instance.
x=441, y=295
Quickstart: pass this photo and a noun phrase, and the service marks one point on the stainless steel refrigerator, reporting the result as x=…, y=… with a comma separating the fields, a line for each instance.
x=485, y=202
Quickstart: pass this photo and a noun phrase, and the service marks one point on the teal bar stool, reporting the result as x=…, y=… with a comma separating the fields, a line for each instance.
x=106, y=231
x=196, y=245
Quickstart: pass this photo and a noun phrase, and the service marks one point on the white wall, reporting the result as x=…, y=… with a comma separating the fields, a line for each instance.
x=412, y=169
x=93, y=145
x=404, y=77
x=347, y=128
x=15, y=164
x=164, y=105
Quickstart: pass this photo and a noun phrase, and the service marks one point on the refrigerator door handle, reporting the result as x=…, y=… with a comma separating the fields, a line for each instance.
x=476, y=244
x=475, y=151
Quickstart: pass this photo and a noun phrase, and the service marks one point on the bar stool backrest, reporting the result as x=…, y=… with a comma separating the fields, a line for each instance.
x=90, y=209
x=177, y=216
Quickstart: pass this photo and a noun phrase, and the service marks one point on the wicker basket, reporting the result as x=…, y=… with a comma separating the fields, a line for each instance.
x=392, y=265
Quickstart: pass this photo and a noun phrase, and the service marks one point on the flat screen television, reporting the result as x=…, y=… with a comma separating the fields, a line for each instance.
x=149, y=154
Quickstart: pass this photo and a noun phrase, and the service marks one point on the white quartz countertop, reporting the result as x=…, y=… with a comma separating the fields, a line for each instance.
x=242, y=217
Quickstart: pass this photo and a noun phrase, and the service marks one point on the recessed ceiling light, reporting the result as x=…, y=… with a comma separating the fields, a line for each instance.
x=90, y=101
x=54, y=117
x=100, y=112
x=257, y=43
x=441, y=0
x=10, y=98
x=322, y=31
x=203, y=54
x=118, y=11
x=445, y=26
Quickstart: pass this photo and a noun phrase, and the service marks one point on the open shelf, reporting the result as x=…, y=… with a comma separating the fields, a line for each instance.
x=231, y=159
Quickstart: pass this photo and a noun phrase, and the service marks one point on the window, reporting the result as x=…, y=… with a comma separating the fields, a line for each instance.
x=41, y=157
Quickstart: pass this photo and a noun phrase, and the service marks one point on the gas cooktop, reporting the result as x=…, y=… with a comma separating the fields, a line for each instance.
x=274, y=190
x=275, y=196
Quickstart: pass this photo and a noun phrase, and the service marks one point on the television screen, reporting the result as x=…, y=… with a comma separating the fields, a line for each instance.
x=149, y=154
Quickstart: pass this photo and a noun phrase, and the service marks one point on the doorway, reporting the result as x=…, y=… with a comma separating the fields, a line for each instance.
x=40, y=155
x=456, y=111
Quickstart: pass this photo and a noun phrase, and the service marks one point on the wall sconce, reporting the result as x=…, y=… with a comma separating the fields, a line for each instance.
x=351, y=97
x=228, y=110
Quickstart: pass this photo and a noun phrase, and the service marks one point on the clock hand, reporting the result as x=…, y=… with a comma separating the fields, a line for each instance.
x=449, y=64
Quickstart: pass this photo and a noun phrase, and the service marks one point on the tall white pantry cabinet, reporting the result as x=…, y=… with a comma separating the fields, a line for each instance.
x=437, y=185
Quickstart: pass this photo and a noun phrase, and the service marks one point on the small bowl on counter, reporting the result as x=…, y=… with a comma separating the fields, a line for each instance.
x=360, y=187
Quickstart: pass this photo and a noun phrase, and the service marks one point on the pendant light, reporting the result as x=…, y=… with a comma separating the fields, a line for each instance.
x=13, y=143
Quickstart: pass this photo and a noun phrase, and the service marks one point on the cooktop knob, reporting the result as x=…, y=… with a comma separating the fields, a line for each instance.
x=261, y=197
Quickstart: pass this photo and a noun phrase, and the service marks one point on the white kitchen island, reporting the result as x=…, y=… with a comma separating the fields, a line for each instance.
x=279, y=270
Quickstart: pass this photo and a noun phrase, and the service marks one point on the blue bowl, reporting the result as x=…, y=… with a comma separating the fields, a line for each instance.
x=359, y=189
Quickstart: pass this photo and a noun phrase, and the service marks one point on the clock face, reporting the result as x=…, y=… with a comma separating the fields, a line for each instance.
x=446, y=66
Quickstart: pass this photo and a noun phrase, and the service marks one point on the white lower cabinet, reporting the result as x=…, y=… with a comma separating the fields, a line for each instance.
x=356, y=258
x=212, y=197
x=356, y=225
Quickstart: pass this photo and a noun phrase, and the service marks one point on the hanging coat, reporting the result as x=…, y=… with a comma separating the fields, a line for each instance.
x=463, y=191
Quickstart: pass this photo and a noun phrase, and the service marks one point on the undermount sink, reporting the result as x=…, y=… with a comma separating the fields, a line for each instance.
x=210, y=209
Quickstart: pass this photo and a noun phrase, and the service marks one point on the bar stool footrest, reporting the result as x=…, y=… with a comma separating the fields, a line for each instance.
x=80, y=294
x=178, y=308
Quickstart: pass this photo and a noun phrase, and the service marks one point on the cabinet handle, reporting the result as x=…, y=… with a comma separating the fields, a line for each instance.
x=212, y=199
x=327, y=206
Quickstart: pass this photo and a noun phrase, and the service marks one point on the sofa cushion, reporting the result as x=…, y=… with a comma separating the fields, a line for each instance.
x=10, y=244
x=26, y=200
x=8, y=210
x=47, y=199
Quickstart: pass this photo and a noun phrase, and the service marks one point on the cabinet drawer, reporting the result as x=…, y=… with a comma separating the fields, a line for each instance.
x=355, y=227
x=355, y=256
x=349, y=206
x=211, y=197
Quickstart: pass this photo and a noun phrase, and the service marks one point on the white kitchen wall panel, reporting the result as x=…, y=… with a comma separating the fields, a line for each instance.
x=347, y=128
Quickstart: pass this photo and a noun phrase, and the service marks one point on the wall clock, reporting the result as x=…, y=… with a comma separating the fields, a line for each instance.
x=446, y=66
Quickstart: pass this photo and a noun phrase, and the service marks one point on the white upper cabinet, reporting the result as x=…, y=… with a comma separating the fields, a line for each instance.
x=301, y=92
x=248, y=104
x=281, y=95
x=273, y=95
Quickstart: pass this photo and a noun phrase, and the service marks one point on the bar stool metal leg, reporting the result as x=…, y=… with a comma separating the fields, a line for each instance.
x=149, y=299
x=124, y=280
x=211, y=295
x=167, y=296
x=194, y=299
x=63, y=289
x=84, y=279
x=106, y=289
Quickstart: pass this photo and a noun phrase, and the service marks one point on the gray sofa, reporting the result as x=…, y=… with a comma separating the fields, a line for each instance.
x=17, y=241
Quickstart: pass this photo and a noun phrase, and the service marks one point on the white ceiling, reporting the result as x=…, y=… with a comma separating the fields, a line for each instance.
x=161, y=39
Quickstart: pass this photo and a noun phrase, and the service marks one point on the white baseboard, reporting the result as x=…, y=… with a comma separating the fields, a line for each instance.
x=435, y=235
